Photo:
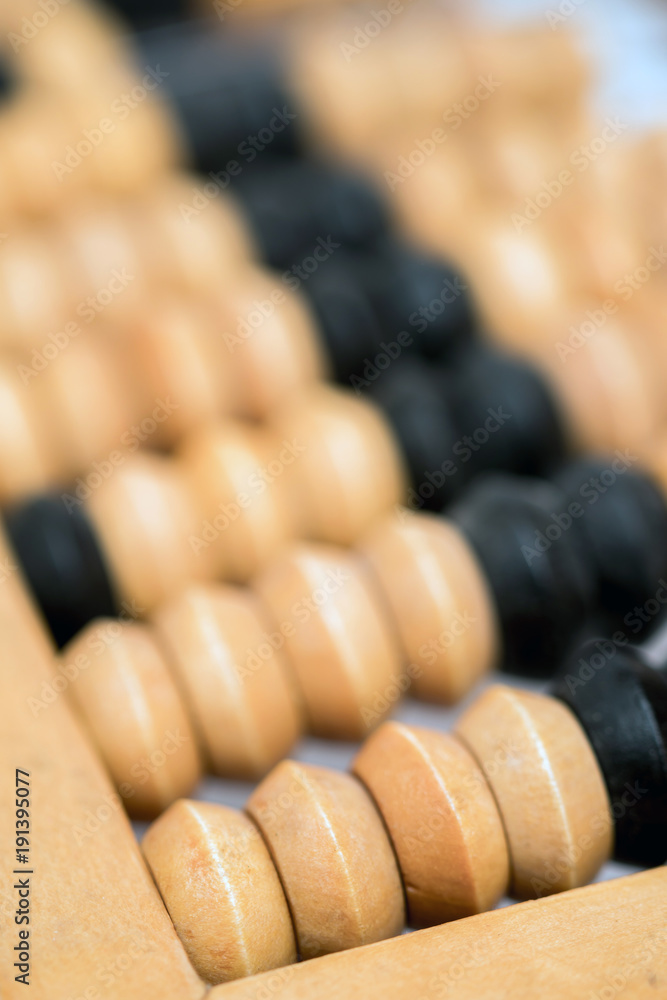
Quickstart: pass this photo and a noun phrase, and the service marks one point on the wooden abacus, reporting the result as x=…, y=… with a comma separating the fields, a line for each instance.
x=133, y=942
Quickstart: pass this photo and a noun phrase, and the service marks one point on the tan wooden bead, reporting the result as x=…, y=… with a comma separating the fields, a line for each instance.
x=609, y=395
x=439, y=600
x=221, y=889
x=26, y=466
x=272, y=340
x=84, y=401
x=548, y=786
x=94, y=900
x=244, y=515
x=145, y=518
x=333, y=856
x=243, y=698
x=442, y=820
x=180, y=357
x=133, y=713
x=102, y=257
x=32, y=297
x=350, y=470
x=189, y=246
x=591, y=942
x=338, y=637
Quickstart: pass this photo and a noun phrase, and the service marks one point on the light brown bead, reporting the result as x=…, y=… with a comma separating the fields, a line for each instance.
x=333, y=856
x=180, y=357
x=133, y=713
x=608, y=393
x=349, y=470
x=221, y=889
x=442, y=820
x=590, y=942
x=234, y=675
x=145, y=518
x=338, y=637
x=84, y=402
x=548, y=786
x=271, y=340
x=26, y=466
x=95, y=903
x=32, y=297
x=191, y=248
x=439, y=600
x=237, y=473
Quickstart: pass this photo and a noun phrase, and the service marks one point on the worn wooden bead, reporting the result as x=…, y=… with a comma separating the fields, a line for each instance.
x=442, y=819
x=439, y=600
x=271, y=341
x=145, y=517
x=132, y=710
x=349, y=470
x=234, y=675
x=333, y=856
x=338, y=637
x=548, y=786
x=221, y=889
x=237, y=474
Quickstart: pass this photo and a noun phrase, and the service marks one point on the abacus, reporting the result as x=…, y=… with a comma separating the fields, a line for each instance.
x=297, y=491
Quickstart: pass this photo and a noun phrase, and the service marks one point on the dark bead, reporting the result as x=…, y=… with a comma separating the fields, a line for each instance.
x=507, y=413
x=143, y=13
x=540, y=581
x=300, y=209
x=346, y=318
x=60, y=556
x=622, y=707
x=7, y=81
x=422, y=296
x=417, y=410
x=224, y=91
x=622, y=529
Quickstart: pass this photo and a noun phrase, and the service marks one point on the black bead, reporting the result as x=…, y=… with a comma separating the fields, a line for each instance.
x=143, y=13
x=622, y=529
x=540, y=581
x=506, y=412
x=301, y=209
x=346, y=318
x=60, y=556
x=7, y=81
x=622, y=707
x=225, y=92
x=416, y=407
